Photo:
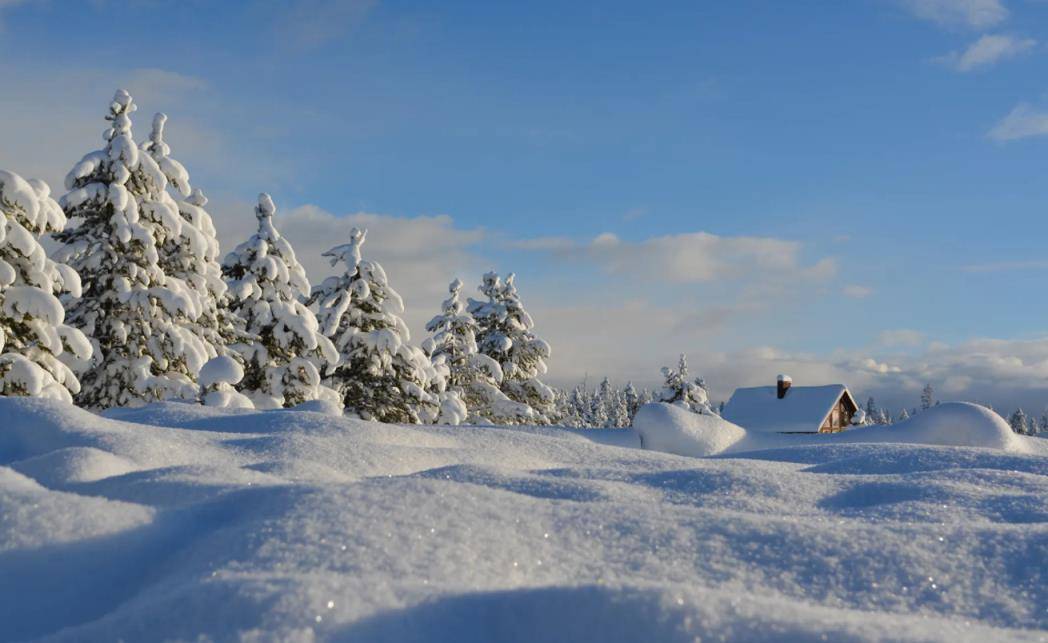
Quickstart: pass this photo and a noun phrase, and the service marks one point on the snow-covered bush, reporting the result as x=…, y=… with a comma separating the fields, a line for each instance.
x=218, y=380
x=136, y=316
x=33, y=337
x=381, y=376
x=283, y=362
x=193, y=255
x=505, y=335
x=679, y=390
x=475, y=377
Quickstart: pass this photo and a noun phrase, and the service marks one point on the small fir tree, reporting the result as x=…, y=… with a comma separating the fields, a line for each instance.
x=927, y=397
x=1018, y=422
x=505, y=334
x=381, y=376
x=282, y=367
x=679, y=390
x=475, y=377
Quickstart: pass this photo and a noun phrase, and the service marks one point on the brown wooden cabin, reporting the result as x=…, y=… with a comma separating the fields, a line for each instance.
x=785, y=408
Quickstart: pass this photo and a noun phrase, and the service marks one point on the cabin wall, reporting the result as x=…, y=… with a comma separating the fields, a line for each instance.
x=839, y=418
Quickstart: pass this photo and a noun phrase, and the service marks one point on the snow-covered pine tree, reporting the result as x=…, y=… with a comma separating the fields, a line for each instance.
x=193, y=256
x=474, y=376
x=872, y=412
x=903, y=415
x=1018, y=422
x=927, y=397
x=283, y=366
x=135, y=315
x=34, y=341
x=600, y=405
x=506, y=335
x=632, y=400
x=1042, y=427
x=679, y=390
x=618, y=414
x=381, y=376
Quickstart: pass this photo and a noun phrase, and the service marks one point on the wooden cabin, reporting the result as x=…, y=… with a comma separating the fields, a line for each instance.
x=785, y=408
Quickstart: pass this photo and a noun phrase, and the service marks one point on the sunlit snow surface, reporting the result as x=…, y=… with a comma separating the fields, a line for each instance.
x=182, y=522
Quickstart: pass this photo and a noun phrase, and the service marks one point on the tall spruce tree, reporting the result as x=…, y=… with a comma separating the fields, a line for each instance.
x=282, y=367
x=134, y=313
x=33, y=338
x=193, y=256
x=506, y=335
x=381, y=376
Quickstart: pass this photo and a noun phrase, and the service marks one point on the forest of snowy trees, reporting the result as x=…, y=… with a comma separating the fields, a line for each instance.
x=136, y=304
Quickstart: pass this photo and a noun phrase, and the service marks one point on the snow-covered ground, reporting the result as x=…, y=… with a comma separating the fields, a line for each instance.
x=179, y=521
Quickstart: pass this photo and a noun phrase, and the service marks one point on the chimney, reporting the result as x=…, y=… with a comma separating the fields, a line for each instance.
x=784, y=382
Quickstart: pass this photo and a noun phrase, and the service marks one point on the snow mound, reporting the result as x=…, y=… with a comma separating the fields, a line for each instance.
x=960, y=424
x=324, y=407
x=74, y=464
x=35, y=517
x=672, y=429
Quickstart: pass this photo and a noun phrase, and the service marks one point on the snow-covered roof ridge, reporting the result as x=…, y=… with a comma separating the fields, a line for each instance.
x=804, y=408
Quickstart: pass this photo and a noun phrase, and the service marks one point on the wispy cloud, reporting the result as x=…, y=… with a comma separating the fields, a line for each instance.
x=987, y=51
x=694, y=257
x=855, y=291
x=1023, y=121
x=900, y=337
x=977, y=14
x=1007, y=266
x=312, y=23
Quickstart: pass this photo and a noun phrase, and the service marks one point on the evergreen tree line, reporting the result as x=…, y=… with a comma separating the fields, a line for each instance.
x=135, y=306
x=609, y=407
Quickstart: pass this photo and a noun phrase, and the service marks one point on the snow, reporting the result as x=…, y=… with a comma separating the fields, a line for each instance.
x=664, y=427
x=175, y=521
x=220, y=370
x=803, y=409
x=673, y=429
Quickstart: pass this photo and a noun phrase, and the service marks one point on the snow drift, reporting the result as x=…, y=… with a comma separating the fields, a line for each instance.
x=671, y=429
x=185, y=522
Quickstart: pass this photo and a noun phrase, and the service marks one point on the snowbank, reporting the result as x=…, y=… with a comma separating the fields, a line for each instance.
x=672, y=429
x=184, y=522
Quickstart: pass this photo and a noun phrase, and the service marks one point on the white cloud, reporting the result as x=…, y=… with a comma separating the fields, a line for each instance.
x=57, y=116
x=978, y=14
x=1022, y=122
x=986, y=51
x=855, y=291
x=900, y=337
x=694, y=257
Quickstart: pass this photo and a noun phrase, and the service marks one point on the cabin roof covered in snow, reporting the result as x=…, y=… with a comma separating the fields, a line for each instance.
x=805, y=408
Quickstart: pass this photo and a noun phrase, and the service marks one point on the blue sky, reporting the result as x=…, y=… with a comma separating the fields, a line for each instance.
x=801, y=186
